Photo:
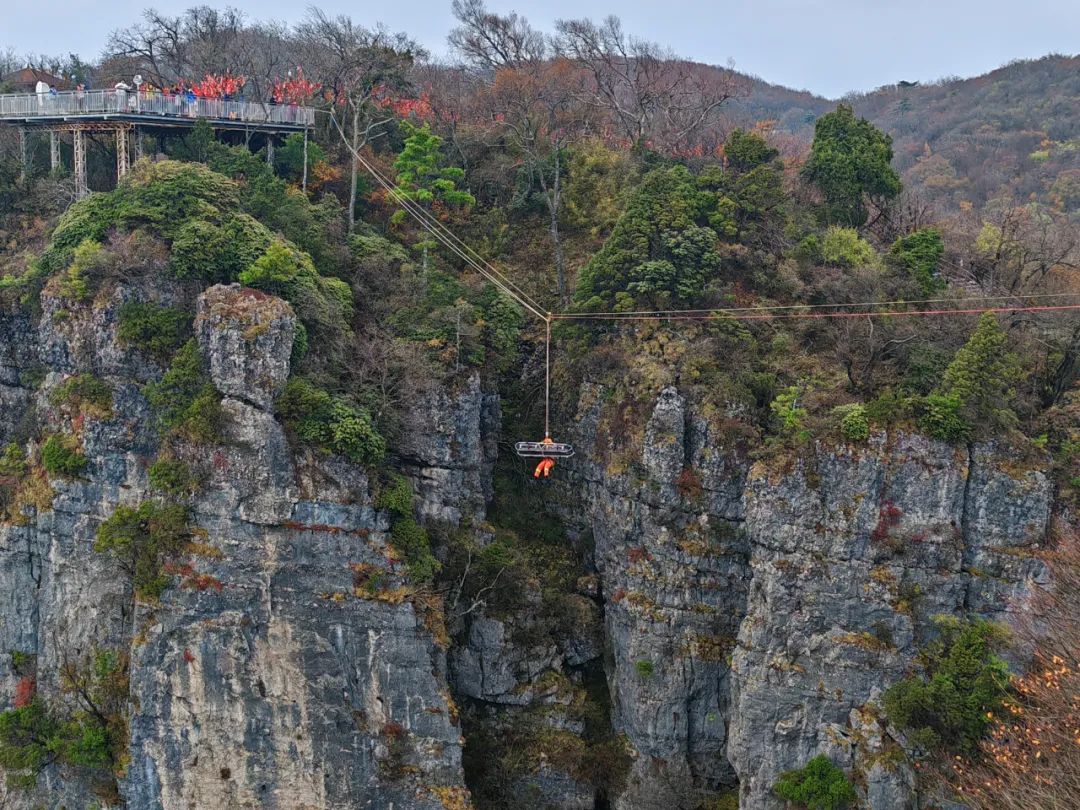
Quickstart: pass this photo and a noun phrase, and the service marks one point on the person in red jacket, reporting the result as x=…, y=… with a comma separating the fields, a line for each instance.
x=546, y=465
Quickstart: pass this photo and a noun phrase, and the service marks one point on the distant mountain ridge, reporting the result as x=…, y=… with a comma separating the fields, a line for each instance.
x=1012, y=133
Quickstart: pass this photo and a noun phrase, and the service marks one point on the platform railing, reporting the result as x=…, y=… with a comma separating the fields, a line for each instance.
x=129, y=102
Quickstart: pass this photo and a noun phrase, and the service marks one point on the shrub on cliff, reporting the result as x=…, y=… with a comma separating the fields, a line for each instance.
x=919, y=254
x=172, y=476
x=155, y=329
x=84, y=393
x=407, y=537
x=853, y=421
x=87, y=261
x=217, y=251
x=142, y=539
x=819, y=785
x=163, y=196
x=789, y=414
x=89, y=731
x=63, y=455
x=13, y=461
x=330, y=422
x=662, y=250
x=212, y=225
x=963, y=686
x=942, y=418
x=185, y=400
x=977, y=388
x=462, y=326
x=843, y=247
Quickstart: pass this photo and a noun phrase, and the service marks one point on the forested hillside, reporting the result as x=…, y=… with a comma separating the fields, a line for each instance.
x=264, y=538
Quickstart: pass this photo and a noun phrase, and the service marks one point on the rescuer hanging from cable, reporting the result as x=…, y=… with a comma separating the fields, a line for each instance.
x=546, y=465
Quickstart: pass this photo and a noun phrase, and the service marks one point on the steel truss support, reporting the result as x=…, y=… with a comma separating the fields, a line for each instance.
x=140, y=146
x=24, y=154
x=270, y=150
x=121, y=152
x=54, y=150
x=304, y=182
x=78, y=137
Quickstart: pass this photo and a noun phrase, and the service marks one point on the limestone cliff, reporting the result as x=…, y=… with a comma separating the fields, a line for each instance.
x=262, y=677
x=756, y=611
x=729, y=617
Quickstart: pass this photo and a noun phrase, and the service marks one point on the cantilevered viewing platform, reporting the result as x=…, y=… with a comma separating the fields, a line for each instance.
x=124, y=112
x=157, y=109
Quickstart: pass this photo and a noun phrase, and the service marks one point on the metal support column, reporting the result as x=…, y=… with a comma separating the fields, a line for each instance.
x=303, y=186
x=140, y=147
x=24, y=153
x=121, y=152
x=79, y=143
x=54, y=150
x=269, y=150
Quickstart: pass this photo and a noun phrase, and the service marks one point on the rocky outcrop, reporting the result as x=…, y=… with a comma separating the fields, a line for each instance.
x=247, y=337
x=756, y=612
x=522, y=682
x=263, y=677
x=853, y=553
x=448, y=449
x=739, y=616
x=671, y=553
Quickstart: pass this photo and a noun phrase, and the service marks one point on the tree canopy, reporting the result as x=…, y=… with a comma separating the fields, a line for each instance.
x=850, y=163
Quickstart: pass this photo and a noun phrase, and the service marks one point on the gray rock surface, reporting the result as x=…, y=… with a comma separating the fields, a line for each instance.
x=247, y=337
x=672, y=558
x=755, y=613
x=262, y=678
x=747, y=615
x=449, y=448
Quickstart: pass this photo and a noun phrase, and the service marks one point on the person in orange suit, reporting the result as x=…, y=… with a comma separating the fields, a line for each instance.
x=546, y=465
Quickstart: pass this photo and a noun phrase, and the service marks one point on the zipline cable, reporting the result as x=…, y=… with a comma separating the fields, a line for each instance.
x=439, y=231
x=776, y=307
x=443, y=234
x=722, y=315
x=504, y=283
x=753, y=313
x=547, y=379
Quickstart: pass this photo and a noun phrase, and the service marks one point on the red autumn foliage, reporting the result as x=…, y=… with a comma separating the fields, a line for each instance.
x=418, y=108
x=219, y=86
x=294, y=89
x=392, y=728
x=203, y=582
x=24, y=691
x=888, y=518
x=689, y=484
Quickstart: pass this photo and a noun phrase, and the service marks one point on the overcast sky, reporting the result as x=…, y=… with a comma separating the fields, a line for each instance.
x=827, y=46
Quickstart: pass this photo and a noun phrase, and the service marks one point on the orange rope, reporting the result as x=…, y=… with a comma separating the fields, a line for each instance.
x=741, y=315
x=774, y=307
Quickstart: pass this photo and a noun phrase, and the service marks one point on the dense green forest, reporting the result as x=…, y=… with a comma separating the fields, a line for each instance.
x=602, y=175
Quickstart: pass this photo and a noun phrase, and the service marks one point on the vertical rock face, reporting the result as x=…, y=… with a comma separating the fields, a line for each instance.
x=672, y=558
x=755, y=614
x=260, y=678
x=247, y=337
x=747, y=616
x=449, y=446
